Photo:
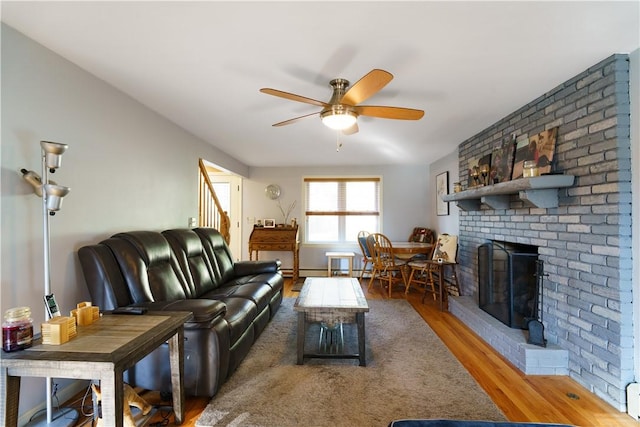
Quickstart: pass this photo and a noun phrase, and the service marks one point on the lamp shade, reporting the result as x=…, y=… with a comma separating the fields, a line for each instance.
x=338, y=119
x=55, y=194
x=34, y=179
x=53, y=153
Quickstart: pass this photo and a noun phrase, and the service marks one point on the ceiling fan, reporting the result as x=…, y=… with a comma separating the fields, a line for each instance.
x=342, y=110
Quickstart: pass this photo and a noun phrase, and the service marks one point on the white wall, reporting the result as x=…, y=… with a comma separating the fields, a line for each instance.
x=405, y=203
x=127, y=167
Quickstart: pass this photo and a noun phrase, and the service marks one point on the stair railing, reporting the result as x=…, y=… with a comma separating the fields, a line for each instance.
x=210, y=212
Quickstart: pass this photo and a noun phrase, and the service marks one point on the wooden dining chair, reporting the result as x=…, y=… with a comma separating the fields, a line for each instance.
x=366, y=254
x=387, y=269
x=426, y=274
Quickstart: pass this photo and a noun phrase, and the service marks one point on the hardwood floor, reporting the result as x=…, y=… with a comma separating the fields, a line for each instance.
x=549, y=399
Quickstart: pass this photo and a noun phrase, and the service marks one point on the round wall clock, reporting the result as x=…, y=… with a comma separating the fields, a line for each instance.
x=272, y=191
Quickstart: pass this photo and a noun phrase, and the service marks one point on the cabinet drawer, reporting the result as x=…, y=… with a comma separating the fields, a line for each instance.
x=271, y=247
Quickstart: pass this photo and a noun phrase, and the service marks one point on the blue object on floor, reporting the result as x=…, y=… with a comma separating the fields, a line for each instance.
x=467, y=423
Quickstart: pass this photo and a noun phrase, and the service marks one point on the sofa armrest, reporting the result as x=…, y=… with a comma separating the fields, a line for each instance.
x=205, y=311
x=248, y=268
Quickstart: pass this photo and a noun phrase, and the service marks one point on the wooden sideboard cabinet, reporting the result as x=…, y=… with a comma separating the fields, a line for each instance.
x=276, y=239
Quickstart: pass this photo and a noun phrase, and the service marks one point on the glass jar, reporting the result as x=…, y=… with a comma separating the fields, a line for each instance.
x=530, y=168
x=17, y=329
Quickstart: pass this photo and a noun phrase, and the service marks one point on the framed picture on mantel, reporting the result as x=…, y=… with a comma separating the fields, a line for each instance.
x=442, y=188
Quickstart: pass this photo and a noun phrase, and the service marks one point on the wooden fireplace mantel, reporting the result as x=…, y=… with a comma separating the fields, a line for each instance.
x=539, y=191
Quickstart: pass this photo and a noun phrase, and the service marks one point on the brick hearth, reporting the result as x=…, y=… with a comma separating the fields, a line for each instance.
x=511, y=343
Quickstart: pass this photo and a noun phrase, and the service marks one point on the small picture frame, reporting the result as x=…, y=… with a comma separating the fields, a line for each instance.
x=269, y=223
x=442, y=188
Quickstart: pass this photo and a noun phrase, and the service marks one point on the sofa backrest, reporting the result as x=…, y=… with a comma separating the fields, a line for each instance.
x=218, y=253
x=191, y=257
x=104, y=279
x=148, y=265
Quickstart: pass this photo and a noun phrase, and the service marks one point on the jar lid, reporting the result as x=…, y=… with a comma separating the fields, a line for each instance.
x=17, y=313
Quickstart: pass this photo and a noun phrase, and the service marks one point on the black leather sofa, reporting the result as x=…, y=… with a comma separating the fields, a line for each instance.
x=186, y=270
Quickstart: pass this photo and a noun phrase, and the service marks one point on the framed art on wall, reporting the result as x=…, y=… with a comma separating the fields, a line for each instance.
x=539, y=148
x=442, y=188
x=502, y=161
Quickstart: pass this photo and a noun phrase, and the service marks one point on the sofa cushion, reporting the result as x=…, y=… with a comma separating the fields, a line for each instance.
x=259, y=293
x=148, y=266
x=218, y=253
x=200, y=275
x=241, y=312
x=103, y=277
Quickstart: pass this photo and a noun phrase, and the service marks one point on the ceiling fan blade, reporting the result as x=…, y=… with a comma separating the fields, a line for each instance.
x=290, y=121
x=351, y=130
x=293, y=97
x=398, y=113
x=366, y=87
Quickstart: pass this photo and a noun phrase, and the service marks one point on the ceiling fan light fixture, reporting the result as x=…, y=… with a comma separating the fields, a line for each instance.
x=338, y=119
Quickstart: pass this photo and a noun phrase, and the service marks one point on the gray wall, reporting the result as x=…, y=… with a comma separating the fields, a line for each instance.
x=127, y=167
x=585, y=243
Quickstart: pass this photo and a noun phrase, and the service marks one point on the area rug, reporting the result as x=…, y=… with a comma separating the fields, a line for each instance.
x=409, y=374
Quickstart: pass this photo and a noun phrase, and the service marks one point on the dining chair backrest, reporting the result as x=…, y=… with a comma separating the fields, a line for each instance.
x=446, y=247
x=362, y=241
x=371, y=246
x=383, y=250
x=422, y=235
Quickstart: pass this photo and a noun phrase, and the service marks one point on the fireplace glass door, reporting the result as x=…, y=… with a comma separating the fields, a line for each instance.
x=507, y=282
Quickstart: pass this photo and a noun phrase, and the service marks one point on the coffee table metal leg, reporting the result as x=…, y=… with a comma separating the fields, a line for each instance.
x=361, y=339
x=301, y=333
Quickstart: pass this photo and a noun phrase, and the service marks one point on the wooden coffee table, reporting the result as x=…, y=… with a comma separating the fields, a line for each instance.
x=331, y=300
x=101, y=351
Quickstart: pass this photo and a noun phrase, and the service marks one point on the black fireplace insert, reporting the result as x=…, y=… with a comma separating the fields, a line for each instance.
x=507, y=282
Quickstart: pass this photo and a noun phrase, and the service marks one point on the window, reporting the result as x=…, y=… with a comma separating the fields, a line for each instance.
x=336, y=209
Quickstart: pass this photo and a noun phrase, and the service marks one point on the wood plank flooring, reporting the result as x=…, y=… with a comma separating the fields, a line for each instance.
x=550, y=399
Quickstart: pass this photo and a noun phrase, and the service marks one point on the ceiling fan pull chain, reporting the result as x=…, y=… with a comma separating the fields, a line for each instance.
x=338, y=143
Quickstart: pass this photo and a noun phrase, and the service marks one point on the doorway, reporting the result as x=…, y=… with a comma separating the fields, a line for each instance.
x=228, y=188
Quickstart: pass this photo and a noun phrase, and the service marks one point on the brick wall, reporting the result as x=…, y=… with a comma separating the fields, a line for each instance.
x=585, y=242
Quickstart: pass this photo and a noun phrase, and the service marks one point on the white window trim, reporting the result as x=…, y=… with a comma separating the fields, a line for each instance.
x=305, y=240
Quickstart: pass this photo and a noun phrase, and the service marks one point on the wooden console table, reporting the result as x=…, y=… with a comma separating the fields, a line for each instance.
x=276, y=239
x=101, y=351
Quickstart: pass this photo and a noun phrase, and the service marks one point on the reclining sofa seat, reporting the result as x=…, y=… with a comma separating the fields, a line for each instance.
x=171, y=271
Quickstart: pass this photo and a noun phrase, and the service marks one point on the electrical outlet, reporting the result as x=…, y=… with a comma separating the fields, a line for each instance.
x=192, y=222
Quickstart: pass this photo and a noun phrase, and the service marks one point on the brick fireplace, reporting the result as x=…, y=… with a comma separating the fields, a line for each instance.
x=585, y=242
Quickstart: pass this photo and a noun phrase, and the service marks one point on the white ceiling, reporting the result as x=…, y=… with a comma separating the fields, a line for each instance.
x=201, y=65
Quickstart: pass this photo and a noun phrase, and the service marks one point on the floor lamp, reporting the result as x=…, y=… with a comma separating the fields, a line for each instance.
x=52, y=195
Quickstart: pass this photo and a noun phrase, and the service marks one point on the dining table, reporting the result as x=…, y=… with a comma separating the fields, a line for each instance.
x=405, y=250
